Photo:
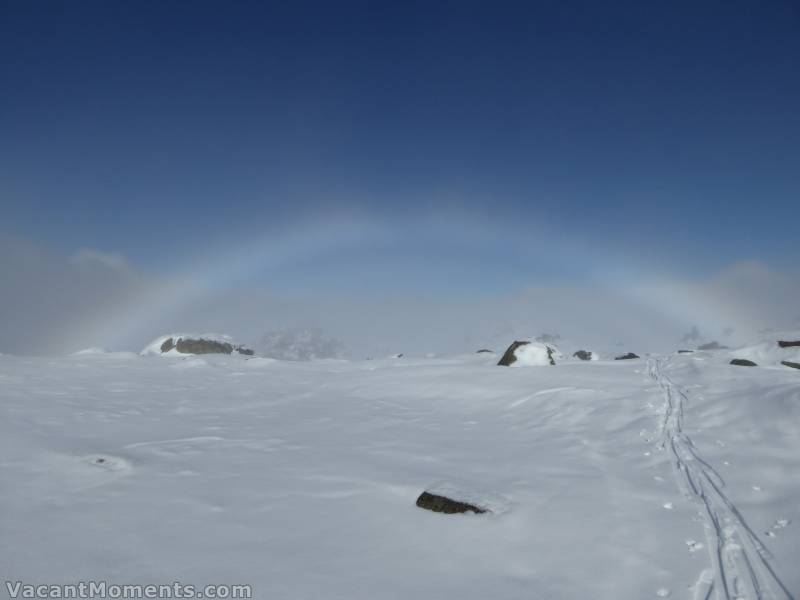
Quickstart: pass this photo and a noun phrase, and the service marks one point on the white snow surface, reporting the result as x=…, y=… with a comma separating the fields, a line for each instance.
x=669, y=476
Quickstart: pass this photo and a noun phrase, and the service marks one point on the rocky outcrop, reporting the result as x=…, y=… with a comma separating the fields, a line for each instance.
x=792, y=365
x=628, y=356
x=202, y=346
x=583, y=355
x=446, y=505
x=743, y=362
x=685, y=351
x=484, y=350
x=510, y=357
x=787, y=344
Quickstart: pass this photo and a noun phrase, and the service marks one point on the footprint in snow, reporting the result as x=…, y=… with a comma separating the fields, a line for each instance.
x=108, y=463
x=693, y=545
x=778, y=524
x=781, y=523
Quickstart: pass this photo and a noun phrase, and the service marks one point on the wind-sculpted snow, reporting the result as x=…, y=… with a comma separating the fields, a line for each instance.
x=300, y=478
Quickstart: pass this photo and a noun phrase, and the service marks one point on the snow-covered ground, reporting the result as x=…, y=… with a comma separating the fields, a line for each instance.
x=669, y=476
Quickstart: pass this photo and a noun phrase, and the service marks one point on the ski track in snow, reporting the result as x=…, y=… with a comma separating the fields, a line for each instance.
x=741, y=565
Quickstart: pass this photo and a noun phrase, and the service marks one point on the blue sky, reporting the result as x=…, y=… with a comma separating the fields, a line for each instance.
x=625, y=137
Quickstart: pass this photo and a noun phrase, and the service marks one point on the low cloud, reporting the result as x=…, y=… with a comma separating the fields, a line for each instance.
x=43, y=294
x=52, y=304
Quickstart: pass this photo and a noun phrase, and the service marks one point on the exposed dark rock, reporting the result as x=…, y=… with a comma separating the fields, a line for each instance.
x=785, y=344
x=482, y=350
x=509, y=358
x=711, y=346
x=550, y=356
x=743, y=362
x=446, y=505
x=203, y=346
x=793, y=365
x=583, y=355
x=628, y=356
x=685, y=351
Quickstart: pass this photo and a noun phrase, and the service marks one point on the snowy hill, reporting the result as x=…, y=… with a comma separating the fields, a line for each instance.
x=669, y=476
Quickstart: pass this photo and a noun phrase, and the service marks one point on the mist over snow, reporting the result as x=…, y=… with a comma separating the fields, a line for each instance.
x=299, y=344
x=62, y=302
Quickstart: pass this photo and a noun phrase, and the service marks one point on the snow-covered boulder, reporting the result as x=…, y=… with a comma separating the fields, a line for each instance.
x=179, y=343
x=628, y=356
x=529, y=354
x=586, y=355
